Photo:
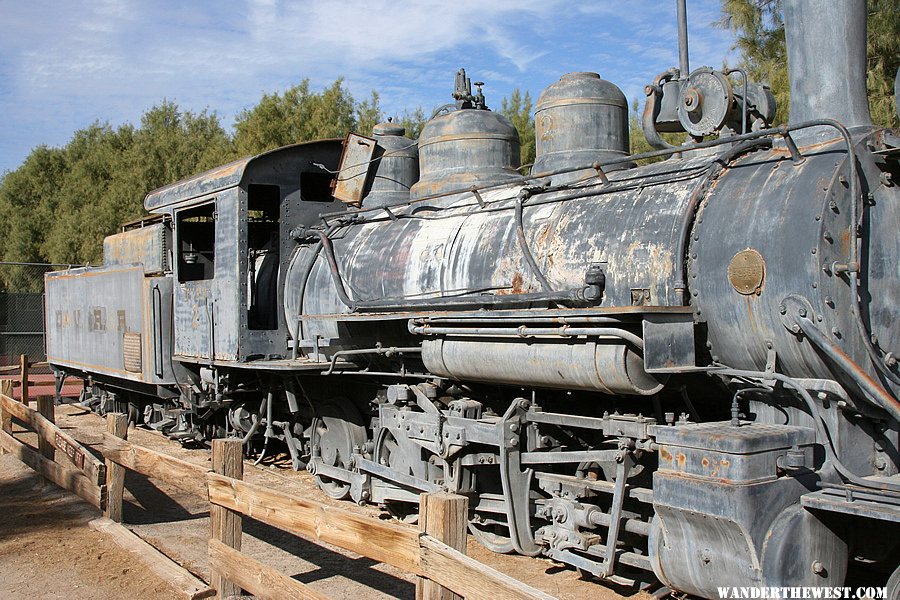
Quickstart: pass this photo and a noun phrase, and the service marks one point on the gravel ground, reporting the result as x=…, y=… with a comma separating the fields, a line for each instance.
x=47, y=550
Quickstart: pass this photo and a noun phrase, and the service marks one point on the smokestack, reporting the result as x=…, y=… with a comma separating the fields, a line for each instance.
x=826, y=48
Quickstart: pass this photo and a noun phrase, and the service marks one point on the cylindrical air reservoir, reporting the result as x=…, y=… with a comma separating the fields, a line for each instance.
x=579, y=120
x=396, y=166
x=466, y=148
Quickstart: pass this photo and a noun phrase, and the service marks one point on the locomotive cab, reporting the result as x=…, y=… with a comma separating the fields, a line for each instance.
x=230, y=244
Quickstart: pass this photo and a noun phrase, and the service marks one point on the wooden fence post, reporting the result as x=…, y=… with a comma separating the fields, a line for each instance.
x=225, y=524
x=46, y=406
x=6, y=388
x=23, y=375
x=116, y=424
x=445, y=517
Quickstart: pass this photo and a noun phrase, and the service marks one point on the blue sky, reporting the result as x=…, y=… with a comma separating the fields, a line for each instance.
x=64, y=65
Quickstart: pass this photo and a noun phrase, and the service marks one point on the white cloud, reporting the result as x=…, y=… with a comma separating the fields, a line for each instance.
x=63, y=65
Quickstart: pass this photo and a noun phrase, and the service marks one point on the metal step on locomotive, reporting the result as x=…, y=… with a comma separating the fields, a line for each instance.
x=684, y=371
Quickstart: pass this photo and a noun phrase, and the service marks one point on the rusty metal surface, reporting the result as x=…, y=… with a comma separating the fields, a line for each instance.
x=356, y=164
x=93, y=313
x=578, y=120
x=467, y=249
x=466, y=148
x=148, y=246
x=396, y=166
x=131, y=349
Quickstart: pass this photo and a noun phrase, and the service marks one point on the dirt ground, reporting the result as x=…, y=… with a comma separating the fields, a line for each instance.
x=48, y=551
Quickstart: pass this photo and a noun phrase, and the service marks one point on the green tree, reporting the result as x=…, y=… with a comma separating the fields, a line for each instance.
x=883, y=60
x=300, y=115
x=413, y=122
x=638, y=143
x=110, y=171
x=27, y=210
x=517, y=108
x=61, y=202
x=368, y=114
x=758, y=26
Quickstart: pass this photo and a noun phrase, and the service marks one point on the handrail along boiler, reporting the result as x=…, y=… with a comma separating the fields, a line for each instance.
x=685, y=370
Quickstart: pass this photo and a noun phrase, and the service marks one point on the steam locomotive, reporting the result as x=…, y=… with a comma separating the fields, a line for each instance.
x=683, y=371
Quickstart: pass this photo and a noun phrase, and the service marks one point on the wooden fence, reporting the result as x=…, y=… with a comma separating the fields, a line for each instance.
x=58, y=457
x=24, y=371
x=435, y=552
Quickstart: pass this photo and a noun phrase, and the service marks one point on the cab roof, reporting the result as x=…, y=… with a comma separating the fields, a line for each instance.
x=214, y=180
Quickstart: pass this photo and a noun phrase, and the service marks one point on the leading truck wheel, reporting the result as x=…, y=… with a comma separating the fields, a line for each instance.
x=336, y=431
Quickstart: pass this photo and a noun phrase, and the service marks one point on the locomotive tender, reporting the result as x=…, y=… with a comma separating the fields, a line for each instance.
x=683, y=370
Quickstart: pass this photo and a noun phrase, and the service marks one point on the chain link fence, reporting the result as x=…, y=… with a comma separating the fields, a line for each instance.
x=22, y=311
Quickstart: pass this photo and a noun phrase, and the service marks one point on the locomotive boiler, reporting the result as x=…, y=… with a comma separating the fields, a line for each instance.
x=682, y=371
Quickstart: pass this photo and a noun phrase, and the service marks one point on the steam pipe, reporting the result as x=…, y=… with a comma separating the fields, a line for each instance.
x=877, y=394
x=523, y=244
x=525, y=332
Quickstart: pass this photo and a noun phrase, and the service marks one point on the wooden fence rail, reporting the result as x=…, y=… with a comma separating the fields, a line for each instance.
x=436, y=553
x=81, y=472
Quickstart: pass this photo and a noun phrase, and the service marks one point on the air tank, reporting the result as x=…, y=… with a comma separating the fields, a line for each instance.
x=578, y=120
x=470, y=146
x=396, y=167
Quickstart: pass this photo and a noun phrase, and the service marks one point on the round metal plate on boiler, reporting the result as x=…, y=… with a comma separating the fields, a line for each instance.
x=746, y=272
